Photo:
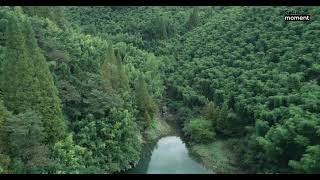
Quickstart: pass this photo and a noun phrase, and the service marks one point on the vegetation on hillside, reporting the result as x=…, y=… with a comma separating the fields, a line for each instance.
x=81, y=87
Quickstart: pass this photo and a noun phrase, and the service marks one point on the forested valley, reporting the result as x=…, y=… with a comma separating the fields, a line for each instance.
x=82, y=89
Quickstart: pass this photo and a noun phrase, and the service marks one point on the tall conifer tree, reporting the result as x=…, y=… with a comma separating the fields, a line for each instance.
x=18, y=79
x=27, y=82
x=4, y=115
x=145, y=103
x=47, y=101
x=108, y=70
x=123, y=78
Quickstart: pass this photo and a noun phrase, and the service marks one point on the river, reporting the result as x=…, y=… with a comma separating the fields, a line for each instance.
x=168, y=156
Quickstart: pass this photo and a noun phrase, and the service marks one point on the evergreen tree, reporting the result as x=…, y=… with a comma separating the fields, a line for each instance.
x=231, y=101
x=123, y=78
x=18, y=78
x=145, y=104
x=54, y=13
x=199, y=130
x=25, y=139
x=228, y=122
x=106, y=75
x=4, y=114
x=310, y=161
x=109, y=70
x=193, y=18
x=41, y=11
x=47, y=101
x=113, y=74
x=211, y=112
x=4, y=159
x=28, y=84
x=222, y=123
x=127, y=138
x=68, y=156
x=163, y=28
x=4, y=163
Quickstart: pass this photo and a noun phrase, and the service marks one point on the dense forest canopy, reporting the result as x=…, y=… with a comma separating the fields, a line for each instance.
x=80, y=86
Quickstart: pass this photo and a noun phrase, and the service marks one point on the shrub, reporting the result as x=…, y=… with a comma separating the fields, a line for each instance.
x=199, y=130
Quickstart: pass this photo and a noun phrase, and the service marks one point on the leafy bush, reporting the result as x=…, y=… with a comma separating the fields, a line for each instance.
x=199, y=130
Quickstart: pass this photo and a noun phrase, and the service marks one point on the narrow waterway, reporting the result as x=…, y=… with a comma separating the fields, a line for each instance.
x=168, y=156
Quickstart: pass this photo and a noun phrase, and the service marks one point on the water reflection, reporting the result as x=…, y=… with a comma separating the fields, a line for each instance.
x=169, y=156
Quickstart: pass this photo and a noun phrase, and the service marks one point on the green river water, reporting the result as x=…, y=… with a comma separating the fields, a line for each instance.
x=168, y=156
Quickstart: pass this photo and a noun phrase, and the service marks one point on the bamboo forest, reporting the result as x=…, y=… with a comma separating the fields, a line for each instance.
x=159, y=90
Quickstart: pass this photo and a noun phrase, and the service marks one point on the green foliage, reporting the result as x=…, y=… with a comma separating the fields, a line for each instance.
x=256, y=77
x=199, y=130
x=4, y=159
x=145, y=104
x=123, y=77
x=299, y=131
x=309, y=163
x=211, y=112
x=113, y=74
x=109, y=70
x=25, y=141
x=4, y=114
x=251, y=77
x=68, y=156
x=161, y=27
x=158, y=128
x=4, y=163
x=116, y=146
x=28, y=83
x=262, y=127
x=47, y=102
x=17, y=80
x=216, y=157
x=228, y=123
x=56, y=13
x=193, y=19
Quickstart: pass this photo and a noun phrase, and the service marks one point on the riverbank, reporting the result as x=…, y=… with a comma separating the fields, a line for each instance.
x=215, y=157
x=159, y=128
